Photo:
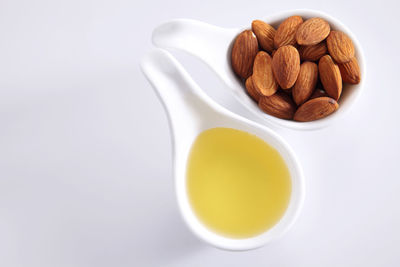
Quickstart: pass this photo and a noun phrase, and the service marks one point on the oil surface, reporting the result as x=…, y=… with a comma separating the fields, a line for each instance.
x=238, y=185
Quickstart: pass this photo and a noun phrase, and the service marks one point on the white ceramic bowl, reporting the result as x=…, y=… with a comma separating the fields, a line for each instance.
x=213, y=45
x=191, y=112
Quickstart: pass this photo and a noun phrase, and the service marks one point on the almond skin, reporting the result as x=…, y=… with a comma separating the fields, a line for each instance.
x=313, y=52
x=318, y=93
x=331, y=79
x=340, y=46
x=315, y=109
x=305, y=83
x=286, y=32
x=312, y=31
x=286, y=66
x=263, y=77
x=278, y=105
x=251, y=90
x=265, y=34
x=244, y=50
x=350, y=71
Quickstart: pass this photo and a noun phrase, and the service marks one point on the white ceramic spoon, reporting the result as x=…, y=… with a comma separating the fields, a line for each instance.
x=190, y=112
x=213, y=44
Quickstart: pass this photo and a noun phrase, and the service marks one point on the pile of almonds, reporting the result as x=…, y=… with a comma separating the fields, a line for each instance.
x=297, y=71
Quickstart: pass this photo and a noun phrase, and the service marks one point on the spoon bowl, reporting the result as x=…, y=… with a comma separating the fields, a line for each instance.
x=213, y=45
x=190, y=111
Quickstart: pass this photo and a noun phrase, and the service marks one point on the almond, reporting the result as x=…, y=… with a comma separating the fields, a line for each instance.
x=263, y=78
x=265, y=34
x=286, y=66
x=312, y=31
x=331, y=79
x=286, y=33
x=318, y=93
x=350, y=71
x=305, y=83
x=279, y=105
x=340, y=46
x=244, y=51
x=312, y=52
x=315, y=109
x=251, y=90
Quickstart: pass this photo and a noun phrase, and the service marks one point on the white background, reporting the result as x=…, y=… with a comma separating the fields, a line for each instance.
x=85, y=153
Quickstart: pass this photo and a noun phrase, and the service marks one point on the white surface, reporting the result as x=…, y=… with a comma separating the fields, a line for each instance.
x=85, y=167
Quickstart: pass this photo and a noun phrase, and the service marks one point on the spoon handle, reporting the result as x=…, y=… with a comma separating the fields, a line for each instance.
x=185, y=103
x=209, y=43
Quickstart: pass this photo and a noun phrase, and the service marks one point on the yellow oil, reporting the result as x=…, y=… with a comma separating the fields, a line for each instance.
x=238, y=185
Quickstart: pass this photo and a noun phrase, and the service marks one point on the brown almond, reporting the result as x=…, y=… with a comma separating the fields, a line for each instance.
x=278, y=105
x=340, y=46
x=244, y=50
x=286, y=66
x=265, y=34
x=331, y=79
x=350, y=71
x=315, y=109
x=313, y=52
x=251, y=90
x=286, y=32
x=263, y=77
x=318, y=93
x=305, y=83
x=312, y=31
